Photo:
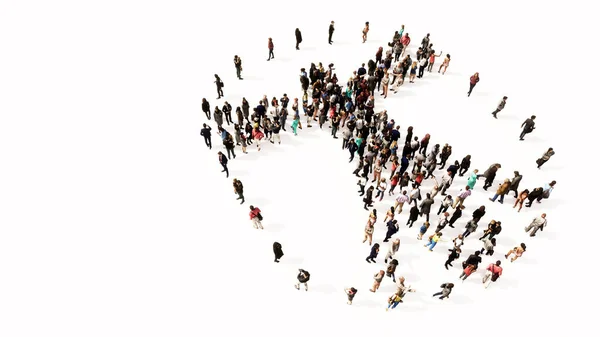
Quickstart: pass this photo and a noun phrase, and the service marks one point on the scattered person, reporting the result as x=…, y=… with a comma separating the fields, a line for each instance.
x=538, y=223
x=277, y=251
x=541, y=161
x=256, y=217
x=445, y=292
x=517, y=252
x=223, y=160
x=299, y=40
x=500, y=107
x=351, y=292
x=303, y=278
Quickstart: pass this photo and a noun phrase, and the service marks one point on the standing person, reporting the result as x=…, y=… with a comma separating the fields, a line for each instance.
x=206, y=108
x=277, y=251
x=545, y=158
x=432, y=57
x=223, y=160
x=373, y=255
x=205, y=132
x=257, y=135
x=446, y=290
x=393, y=249
x=472, y=179
x=331, y=29
x=488, y=246
x=470, y=228
x=219, y=85
x=426, y=206
x=454, y=254
x=238, y=188
x=472, y=83
x=528, y=126
x=538, y=223
x=270, y=45
x=368, y=199
x=298, y=38
x=351, y=292
x=500, y=107
x=256, y=217
x=229, y=146
x=303, y=278
x=227, y=111
x=365, y=31
x=517, y=252
x=377, y=278
x=237, y=61
x=493, y=272
x=385, y=82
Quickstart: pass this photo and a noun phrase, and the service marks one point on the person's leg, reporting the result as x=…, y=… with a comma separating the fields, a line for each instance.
x=436, y=294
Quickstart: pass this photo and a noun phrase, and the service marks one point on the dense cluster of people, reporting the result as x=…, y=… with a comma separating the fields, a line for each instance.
x=393, y=163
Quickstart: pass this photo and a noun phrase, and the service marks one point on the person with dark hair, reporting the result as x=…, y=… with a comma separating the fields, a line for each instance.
x=351, y=292
x=454, y=254
x=271, y=47
x=473, y=259
x=206, y=108
x=365, y=32
x=517, y=252
x=493, y=272
x=446, y=290
x=238, y=188
x=373, y=254
x=541, y=161
x=472, y=83
x=303, y=278
x=500, y=107
x=277, y=251
x=488, y=246
x=331, y=30
x=219, y=85
x=256, y=217
x=391, y=269
x=528, y=126
x=223, y=160
x=205, y=132
x=237, y=61
x=298, y=38
x=514, y=183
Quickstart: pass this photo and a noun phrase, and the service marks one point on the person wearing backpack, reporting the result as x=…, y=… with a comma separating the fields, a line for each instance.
x=205, y=132
x=256, y=217
x=446, y=290
x=493, y=272
x=303, y=278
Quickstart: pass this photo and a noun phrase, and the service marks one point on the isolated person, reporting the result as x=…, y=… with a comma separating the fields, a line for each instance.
x=445, y=64
x=472, y=83
x=493, y=272
x=277, y=251
x=219, y=85
x=331, y=30
x=517, y=252
x=238, y=188
x=223, y=160
x=393, y=301
x=271, y=46
x=205, y=132
x=377, y=278
x=303, y=278
x=500, y=106
x=538, y=223
x=528, y=126
x=541, y=161
x=446, y=290
x=393, y=249
x=351, y=292
x=237, y=61
x=256, y=217
x=365, y=31
x=298, y=38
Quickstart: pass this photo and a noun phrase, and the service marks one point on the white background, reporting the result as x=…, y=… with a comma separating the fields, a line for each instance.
x=116, y=219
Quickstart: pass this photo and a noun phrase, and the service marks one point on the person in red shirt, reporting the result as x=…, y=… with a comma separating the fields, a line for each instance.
x=493, y=272
x=271, y=55
x=473, y=81
x=256, y=217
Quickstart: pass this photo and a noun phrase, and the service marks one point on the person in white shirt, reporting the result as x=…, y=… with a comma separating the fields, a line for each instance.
x=538, y=223
x=393, y=249
x=400, y=200
x=381, y=189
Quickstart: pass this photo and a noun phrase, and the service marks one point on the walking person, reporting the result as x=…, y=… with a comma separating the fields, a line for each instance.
x=331, y=30
x=256, y=217
x=493, y=272
x=467, y=271
x=422, y=230
x=488, y=246
x=413, y=216
x=514, y=183
x=538, y=223
x=223, y=160
x=377, y=278
x=445, y=64
x=237, y=61
x=303, y=278
x=392, y=226
x=445, y=292
x=373, y=255
x=205, y=132
x=277, y=251
x=472, y=83
x=393, y=249
x=365, y=31
x=229, y=146
x=351, y=292
x=219, y=85
x=433, y=240
x=500, y=107
x=541, y=161
x=528, y=126
x=238, y=188
x=521, y=199
x=517, y=252
x=206, y=108
x=298, y=38
x=502, y=190
x=454, y=254
x=271, y=46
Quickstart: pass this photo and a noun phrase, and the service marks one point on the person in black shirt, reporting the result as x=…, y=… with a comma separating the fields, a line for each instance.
x=331, y=29
x=205, y=132
x=220, y=86
x=298, y=38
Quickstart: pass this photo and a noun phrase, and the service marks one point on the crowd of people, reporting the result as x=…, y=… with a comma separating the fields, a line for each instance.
x=391, y=162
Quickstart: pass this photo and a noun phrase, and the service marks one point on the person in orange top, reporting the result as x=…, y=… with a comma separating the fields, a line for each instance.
x=493, y=272
x=432, y=59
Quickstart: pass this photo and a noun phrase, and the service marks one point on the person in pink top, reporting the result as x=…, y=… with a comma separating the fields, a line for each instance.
x=462, y=196
x=400, y=200
x=257, y=135
x=256, y=217
x=493, y=272
x=405, y=40
x=472, y=83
